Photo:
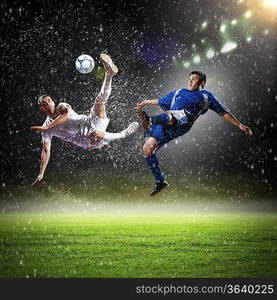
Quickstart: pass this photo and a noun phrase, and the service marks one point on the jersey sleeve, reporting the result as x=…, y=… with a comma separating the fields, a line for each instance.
x=46, y=136
x=216, y=105
x=165, y=102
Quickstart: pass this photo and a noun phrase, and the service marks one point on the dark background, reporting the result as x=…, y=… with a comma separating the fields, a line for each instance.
x=149, y=41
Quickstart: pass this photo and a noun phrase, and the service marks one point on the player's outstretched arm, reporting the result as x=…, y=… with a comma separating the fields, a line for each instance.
x=45, y=156
x=58, y=121
x=148, y=102
x=231, y=119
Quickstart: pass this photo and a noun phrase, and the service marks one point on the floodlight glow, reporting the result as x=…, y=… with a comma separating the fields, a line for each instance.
x=271, y=3
x=234, y=22
x=249, y=39
x=248, y=14
x=227, y=47
x=196, y=59
x=266, y=31
x=186, y=64
x=222, y=28
x=204, y=24
x=210, y=53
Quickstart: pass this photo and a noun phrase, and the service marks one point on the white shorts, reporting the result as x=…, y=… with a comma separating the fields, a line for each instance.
x=99, y=124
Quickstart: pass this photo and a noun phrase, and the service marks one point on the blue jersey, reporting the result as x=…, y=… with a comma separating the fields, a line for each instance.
x=192, y=103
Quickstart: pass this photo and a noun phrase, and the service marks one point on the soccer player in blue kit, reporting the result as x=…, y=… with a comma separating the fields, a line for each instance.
x=182, y=108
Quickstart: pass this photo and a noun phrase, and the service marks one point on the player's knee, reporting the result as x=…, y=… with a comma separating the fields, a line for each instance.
x=96, y=137
x=99, y=135
x=147, y=150
x=150, y=146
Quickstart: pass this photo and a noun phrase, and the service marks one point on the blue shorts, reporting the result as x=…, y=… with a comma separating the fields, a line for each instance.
x=164, y=135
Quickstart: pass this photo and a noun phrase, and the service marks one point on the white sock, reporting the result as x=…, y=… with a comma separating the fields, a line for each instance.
x=106, y=88
x=108, y=136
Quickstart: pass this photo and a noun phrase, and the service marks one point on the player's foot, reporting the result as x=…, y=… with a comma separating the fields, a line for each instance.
x=109, y=66
x=158, y=187
x=144, y=118
x=133, y=127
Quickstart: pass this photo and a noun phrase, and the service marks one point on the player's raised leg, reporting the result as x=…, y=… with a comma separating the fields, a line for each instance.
x=99, y=107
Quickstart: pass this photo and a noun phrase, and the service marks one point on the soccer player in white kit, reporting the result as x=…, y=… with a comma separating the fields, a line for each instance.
x=88, y=132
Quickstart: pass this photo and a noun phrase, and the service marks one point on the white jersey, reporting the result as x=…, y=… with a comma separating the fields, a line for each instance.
x=76, y=129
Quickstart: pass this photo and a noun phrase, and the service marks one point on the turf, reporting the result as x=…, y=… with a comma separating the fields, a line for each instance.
x=138, y=245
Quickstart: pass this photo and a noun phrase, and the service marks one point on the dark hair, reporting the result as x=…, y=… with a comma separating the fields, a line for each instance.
x=202, y=76
x=42, y=97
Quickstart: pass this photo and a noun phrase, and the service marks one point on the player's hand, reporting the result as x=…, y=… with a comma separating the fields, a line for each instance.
x=246, y=129
x=143, y=103
x=39, y=128
x=37, y=181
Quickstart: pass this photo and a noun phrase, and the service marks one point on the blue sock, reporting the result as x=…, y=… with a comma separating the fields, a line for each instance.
x=161, y=119
x=153, y=164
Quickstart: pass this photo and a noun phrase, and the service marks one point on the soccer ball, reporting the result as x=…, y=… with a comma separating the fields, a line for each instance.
x=84, y=64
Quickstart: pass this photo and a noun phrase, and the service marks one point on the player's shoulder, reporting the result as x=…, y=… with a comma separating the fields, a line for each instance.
x=182, y=91
x=63, y=107
x=63, y=104
x=208, y=94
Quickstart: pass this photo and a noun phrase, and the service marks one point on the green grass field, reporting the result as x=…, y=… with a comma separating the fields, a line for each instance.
x=138, y=245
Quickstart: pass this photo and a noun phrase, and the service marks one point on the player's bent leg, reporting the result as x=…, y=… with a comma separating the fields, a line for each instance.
x=161, y=119
x=150, y=146
x=96, y=137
